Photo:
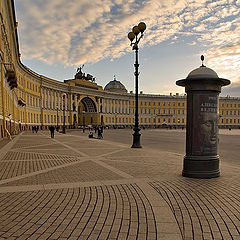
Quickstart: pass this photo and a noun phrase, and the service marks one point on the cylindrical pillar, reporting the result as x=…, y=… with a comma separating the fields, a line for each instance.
x=202, y=86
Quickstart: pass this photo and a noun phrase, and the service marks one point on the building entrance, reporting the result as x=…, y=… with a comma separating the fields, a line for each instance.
x=87, y=112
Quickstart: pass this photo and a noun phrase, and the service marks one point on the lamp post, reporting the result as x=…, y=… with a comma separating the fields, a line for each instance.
x=10, y=120
x=140, y=28
x=64, y=105
x=57, y=118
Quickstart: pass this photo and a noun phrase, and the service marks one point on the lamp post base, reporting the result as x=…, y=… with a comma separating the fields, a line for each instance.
x=201, y=167
x=136, y=139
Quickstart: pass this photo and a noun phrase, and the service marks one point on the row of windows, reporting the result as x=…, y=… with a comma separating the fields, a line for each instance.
x=144, y=120
x=230, y=120
x=231, y=105
x=163, y=104
x=35, y=118
x=230, y=112
x=160, y=111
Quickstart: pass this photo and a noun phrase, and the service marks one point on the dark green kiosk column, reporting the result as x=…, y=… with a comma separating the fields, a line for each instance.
x=202, y=86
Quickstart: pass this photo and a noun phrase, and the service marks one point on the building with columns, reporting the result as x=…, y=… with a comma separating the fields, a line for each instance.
x=28, y=99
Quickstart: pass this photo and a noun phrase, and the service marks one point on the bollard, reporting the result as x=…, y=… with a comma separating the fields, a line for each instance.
x=202, y=86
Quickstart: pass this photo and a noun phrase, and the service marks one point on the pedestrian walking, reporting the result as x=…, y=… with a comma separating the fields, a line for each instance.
x=52, y=128
x=99, y=133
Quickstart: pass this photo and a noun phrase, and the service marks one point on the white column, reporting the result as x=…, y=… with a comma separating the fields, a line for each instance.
x=75, y=101
x=103, y=105
x=52, y=100
x=71, y=102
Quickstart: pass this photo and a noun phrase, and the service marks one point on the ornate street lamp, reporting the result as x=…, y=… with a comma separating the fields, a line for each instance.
x=64, y=106
x=10, y=121
x=140, y=28
x=57, y=118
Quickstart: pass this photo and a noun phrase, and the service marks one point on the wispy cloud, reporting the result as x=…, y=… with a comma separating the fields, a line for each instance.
x=74, y=32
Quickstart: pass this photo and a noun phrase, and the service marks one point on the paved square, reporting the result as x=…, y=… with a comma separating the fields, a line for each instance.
x=72, y=187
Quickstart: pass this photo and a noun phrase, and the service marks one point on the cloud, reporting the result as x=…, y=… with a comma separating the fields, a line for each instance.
x=232, y=90
x=74, y=32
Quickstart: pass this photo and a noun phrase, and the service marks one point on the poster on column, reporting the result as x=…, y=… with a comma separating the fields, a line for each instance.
x=205, y=123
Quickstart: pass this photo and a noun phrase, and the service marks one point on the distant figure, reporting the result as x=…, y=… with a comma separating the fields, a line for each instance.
x=33, y=129
x=83, y=129
x=52, y=128
x=36, y=129
x=99, y=130
x=90, y=134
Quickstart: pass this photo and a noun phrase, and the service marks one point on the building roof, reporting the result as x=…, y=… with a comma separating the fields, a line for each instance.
x=115, y=86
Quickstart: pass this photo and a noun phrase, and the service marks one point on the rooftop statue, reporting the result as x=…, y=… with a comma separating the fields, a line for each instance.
x=80, y=75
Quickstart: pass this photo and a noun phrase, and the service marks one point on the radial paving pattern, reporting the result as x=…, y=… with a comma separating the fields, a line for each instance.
x=113, y=212
x=204, y=209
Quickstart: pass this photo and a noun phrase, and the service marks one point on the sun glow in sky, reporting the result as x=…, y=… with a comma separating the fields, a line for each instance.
x=58, y=36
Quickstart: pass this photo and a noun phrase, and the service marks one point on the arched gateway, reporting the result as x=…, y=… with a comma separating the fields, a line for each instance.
x=87, y=111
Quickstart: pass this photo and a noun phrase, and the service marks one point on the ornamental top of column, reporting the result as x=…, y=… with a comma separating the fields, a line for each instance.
x=202, y=74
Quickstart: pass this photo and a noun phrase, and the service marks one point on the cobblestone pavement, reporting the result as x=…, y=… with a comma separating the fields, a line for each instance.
x=72, y=187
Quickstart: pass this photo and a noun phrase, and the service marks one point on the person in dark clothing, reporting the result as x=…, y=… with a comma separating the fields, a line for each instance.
x=99, y=130
x=52, y=128
x=90, y=134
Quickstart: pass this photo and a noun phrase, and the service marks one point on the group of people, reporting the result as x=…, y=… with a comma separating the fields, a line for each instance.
x=35, y=129
x=98, y=130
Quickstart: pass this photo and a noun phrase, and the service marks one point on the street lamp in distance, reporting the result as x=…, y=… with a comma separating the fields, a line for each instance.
x=64, y=108
x=10, y=121
x=135, y=39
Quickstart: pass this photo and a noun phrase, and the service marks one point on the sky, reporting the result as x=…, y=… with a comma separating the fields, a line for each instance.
x=58, y=36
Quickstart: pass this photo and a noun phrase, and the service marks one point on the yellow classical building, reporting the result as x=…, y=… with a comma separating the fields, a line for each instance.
x=29, y=99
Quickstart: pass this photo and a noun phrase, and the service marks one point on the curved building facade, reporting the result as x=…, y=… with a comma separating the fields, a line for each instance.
x=28, y=99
